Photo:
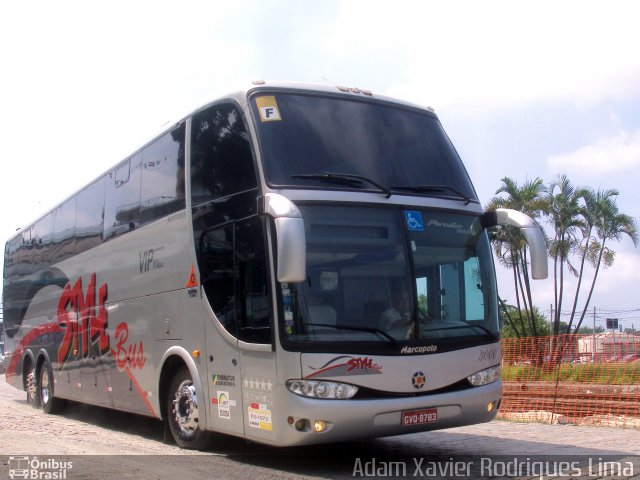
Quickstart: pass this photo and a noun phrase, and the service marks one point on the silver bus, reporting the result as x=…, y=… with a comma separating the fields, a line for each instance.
x=291, y=264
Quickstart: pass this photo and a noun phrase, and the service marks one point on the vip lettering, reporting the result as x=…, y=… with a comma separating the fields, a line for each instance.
x=148, y=259
x=84, y=320
x=131, y=355
x=379, y=469
x=362, y=364
x=449, y=468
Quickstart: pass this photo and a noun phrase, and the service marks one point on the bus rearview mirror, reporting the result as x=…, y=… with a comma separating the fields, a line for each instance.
x=291, y=253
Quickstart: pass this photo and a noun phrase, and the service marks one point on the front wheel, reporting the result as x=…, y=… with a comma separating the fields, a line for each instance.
x=183, y=413
x=50, y=404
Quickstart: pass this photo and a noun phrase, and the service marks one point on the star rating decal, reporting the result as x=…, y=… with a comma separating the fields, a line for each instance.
x=259, y=384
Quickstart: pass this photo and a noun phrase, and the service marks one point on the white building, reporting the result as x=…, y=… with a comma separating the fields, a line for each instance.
x=608, y=346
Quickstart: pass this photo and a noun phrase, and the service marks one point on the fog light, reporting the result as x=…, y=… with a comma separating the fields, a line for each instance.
x=490, y=407
x=300, y=424
x=320, y=426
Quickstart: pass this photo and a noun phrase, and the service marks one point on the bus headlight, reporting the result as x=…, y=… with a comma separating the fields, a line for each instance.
x=486, y=376
x=321, y=389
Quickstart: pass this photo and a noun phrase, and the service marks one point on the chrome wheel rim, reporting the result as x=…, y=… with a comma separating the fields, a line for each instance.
x=185, y=409
x=31, y=385
x=44, y=388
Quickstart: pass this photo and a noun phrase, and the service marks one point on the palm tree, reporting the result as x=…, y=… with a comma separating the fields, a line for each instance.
x=593, y=202
x=509, y=244
x=610, y=225
x=566, y=217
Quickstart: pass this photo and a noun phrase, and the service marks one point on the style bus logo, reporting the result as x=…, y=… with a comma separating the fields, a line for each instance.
x=37, y=469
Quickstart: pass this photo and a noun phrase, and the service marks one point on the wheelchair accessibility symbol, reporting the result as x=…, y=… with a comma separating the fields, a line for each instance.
x=414, y=220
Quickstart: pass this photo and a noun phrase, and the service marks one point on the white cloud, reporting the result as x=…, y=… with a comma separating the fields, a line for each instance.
x=626, y=269
x=612, y=154
x=498, y=52
x=615, y=287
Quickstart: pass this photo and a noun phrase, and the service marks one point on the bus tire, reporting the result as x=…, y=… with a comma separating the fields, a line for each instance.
x=183, y=414
x=50, y=404
x=31, y=386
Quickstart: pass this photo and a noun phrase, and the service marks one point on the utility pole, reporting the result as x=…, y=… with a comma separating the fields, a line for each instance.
x=593, y=350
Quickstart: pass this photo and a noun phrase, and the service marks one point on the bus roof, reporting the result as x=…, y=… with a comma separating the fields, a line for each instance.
x=239, y=95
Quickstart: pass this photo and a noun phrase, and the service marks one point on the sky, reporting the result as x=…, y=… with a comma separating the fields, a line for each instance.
x=524, y=89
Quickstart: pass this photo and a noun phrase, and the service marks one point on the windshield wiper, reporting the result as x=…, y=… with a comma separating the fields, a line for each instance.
x=435, y=189
x=357, y=329
x=343, y=178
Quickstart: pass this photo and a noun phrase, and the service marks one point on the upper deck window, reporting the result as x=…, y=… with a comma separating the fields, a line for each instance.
x=392, y=145
x=221, y=159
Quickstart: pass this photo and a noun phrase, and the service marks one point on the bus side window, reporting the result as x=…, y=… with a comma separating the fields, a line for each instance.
x=12, y=259
x=122, y=198
x=221, y=158
x=217, y=274
x=162, y=191
x=64, y=231
x=43, y=239
x=90, y=216
x=235, y=279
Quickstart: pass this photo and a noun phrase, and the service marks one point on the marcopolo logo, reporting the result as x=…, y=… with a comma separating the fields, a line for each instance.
x=37, y=469
x=421, y=349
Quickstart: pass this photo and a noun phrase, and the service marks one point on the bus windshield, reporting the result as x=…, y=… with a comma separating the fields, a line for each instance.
x=391, y=279
x=305, y=137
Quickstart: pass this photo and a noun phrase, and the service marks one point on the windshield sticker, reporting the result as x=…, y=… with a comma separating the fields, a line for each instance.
x=329, y=280
x=458, y=227
x=414, y=220
x=268, y=109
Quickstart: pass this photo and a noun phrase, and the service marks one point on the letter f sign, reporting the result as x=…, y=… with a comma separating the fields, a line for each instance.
x=268, y=108
x=269, y=114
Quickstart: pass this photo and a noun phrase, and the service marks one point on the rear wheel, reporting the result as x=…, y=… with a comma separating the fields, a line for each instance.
x=183, y=414
x=32, y=386
x=50, y=404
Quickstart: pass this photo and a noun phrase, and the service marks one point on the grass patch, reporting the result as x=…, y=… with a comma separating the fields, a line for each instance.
x=604, y=373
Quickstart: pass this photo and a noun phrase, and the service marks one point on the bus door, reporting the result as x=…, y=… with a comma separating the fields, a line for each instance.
x=235, y=279
x=255, y=320
x=223, y=378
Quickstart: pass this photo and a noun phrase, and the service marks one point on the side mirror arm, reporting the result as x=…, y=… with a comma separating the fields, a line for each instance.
x=532, y=234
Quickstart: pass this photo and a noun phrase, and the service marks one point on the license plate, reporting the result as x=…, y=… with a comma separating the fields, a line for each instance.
x=419, y=417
